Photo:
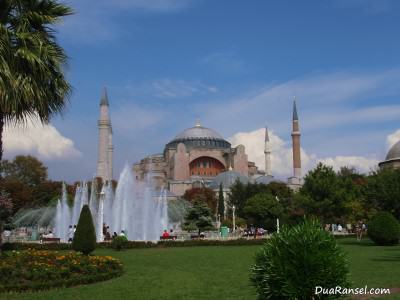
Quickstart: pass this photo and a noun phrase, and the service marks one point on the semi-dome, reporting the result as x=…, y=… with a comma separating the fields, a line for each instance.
x=394, y=152
x=199, y=137
x=227, y=179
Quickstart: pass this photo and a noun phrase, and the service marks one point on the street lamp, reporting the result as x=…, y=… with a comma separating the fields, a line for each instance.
x=277, y=219
x=233, y=218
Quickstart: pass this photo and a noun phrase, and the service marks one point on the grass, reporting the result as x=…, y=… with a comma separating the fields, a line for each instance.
x=212, y=273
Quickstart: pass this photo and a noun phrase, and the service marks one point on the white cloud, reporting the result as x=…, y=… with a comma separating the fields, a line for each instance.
x=98, y=23
x=328, y=100
x=44, y=141
x=169, y=88
x=281, y=155
x=393, y=138
x=281, y=151
x=360, y=163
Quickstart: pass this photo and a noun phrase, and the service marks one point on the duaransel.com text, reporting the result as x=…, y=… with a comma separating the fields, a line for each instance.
x=338, y=290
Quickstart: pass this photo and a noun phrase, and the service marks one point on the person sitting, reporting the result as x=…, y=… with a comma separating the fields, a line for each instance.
x=50, y=235
x=122, y=233
x=165, y=234
x=114, y=235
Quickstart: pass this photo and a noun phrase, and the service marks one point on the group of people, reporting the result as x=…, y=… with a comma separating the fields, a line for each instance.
x=107, y=234
x=358, y=228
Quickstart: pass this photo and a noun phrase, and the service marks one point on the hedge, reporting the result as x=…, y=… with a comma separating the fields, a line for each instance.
x=138, y=244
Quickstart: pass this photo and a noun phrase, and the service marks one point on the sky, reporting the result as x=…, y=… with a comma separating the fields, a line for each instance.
x=236, y=66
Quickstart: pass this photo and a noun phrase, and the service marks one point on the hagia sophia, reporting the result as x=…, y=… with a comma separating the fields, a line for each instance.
x=201, y=157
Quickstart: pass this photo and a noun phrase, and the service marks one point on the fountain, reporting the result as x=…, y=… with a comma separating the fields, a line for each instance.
x=136, y=208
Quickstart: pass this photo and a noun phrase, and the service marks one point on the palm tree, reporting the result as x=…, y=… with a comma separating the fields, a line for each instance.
x=32, y=82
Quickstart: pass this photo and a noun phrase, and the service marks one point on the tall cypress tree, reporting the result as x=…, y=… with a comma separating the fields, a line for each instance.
x=221, y=204
x=85, y=235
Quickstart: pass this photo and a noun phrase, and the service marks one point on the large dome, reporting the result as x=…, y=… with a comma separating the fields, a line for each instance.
x=394, y=152
x=198, y=132
x=199, y=137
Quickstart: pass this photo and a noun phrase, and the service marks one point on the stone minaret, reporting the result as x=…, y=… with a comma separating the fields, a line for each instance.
x=296, y=144
x=104, y=163
x=267, y=152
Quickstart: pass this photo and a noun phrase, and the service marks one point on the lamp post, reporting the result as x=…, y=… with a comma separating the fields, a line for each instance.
x=233, y=218
x=277, y=219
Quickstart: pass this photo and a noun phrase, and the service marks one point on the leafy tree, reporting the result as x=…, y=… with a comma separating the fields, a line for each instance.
x=323, y=194
x=204, y=195
x=5, y=211
x=25, y=169
x=262, y=210
x=85, y=235
x=198, y=217
x=20, y=194
x=221, y=202
x=382, y=191
x=32, y=82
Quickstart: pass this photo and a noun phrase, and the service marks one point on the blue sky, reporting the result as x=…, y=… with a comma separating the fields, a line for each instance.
x=236, y=65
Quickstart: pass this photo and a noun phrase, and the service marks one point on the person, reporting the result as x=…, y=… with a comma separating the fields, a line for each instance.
x=122, y=233
x=104, y=229
x=108, y=235
x=359, y=230
x=165, y=234
x=74, y=228
x=339, y=228
x=70, y=234
x=50, y=235
x=114, y=234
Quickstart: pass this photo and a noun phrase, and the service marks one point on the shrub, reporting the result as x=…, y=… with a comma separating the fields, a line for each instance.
x=384, y=229
x=85, y=235
x=119, y=242
x=292, y=263
x=38, y=270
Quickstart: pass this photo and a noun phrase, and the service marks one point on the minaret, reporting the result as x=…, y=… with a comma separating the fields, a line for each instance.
x=296, y=144
x=267, y=152
x=104, y=163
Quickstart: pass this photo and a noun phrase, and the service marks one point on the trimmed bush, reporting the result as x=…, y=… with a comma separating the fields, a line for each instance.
x=292, y=263
x=119, y=242
x=85, y=235
x=384, y=229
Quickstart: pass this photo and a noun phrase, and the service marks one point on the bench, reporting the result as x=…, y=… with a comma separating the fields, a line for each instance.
x=171, y=237
x=50, y=240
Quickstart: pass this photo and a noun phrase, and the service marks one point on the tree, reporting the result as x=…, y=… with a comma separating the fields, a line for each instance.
x=262, y=210
x=85, y=235
x=382, y=191
x=32, y=82
x=25, y=169
x=204, y=195
x=221, y=202
x=5, y=212
x=19, y=193
x=323, y=194
x=198, y=217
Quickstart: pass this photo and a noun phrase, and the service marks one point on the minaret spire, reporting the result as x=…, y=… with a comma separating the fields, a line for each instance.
x=267, y=152
x=104, y=162
x=296, y=144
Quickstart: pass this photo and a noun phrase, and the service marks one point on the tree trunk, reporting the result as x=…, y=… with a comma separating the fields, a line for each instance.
x=1, y=234
x=1, y=135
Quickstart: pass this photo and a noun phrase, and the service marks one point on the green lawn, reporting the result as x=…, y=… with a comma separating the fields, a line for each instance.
x=213, y=273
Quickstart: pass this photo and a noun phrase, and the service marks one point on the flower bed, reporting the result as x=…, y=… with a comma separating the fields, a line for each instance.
x=38, y=270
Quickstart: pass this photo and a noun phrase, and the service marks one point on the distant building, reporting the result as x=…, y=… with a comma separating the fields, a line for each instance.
x=197, y=157
x=392, y=159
